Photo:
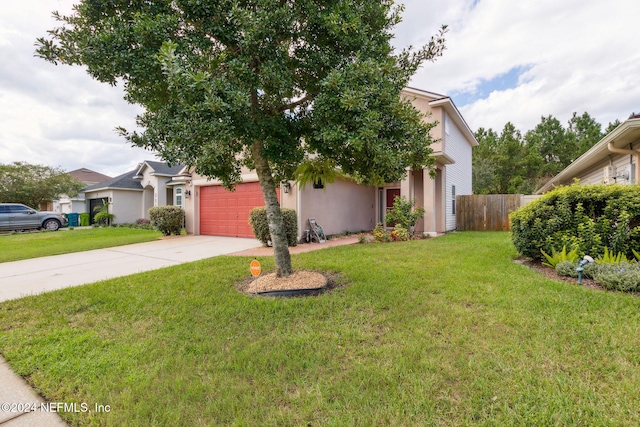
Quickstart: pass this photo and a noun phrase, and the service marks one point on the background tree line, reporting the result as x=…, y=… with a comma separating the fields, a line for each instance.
x=510, y=163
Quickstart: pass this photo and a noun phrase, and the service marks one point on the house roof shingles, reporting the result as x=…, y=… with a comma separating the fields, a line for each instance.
x=160, y=168
x=124, y=182
x=88, y=176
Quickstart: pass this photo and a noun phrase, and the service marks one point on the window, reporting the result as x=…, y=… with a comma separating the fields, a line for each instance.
x=453, y=199
x=179, y=197
x=19, y=209
x=447, y=124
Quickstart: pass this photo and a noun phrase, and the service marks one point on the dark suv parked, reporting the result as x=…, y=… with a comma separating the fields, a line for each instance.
x=14, y=216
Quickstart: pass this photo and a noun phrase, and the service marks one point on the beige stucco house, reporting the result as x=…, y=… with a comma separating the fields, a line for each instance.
x=132, y=194
x=613, y=159
x=345, y=205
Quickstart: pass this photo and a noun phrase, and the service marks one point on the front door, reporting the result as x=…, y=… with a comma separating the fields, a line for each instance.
x=94, y=204
x=390, y=197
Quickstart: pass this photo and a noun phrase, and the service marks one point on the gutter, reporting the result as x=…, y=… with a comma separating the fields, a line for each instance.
x=636, y=153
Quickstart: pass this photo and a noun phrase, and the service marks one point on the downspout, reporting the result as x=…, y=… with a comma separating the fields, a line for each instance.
x=632, y=152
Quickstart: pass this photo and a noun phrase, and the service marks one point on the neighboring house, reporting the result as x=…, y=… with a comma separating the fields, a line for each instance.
x=132, y=194
x=66, y=204
x=613, y=159
x=345, y=205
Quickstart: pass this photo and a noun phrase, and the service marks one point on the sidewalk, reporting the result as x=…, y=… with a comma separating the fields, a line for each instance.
x=20, y=406
x=21, y=278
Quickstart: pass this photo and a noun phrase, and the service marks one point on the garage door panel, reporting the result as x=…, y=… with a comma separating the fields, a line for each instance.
x=226, y=213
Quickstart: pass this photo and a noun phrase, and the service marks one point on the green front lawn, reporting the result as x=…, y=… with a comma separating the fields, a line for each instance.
x=447, y=331
x=14, y=247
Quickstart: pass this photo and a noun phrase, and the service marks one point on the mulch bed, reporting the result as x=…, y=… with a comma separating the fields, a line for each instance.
x=300, y=279
x=551, y=273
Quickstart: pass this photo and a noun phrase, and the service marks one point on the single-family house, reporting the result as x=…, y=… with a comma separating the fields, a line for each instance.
x=66, y=204
x=613, y=159
x=346, y=206
x=132, y=194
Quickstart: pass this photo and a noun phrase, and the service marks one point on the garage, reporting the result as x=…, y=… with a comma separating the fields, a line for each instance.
x=226, y=213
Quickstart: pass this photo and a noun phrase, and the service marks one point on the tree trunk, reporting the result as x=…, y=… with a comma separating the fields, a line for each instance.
x=274, y=216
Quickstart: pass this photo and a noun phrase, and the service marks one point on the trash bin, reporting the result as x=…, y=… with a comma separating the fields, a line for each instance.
x=84, y=219
x=73, y=219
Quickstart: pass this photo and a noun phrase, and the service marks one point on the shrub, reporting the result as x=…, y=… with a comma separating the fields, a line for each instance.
x=588, y=218
x=557, y=257
x=400, y=233
x=366, y=238
x=567, y=268
x=260, y=225
x=623, y=277
x=381, y=234
x=611, y=258
x=405, y=214
x=167, y=219
x=103, y=217
x=590, y=270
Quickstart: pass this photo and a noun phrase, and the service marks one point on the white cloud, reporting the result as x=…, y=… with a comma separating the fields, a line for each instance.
x=573, y=55
x=582, y=58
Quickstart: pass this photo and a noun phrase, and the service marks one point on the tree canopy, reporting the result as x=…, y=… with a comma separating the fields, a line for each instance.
x=511, y=162
x=257, y=83
x=33, y=185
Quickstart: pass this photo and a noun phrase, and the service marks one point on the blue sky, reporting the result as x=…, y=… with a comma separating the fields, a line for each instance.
x=502, y=82
x=506, y=61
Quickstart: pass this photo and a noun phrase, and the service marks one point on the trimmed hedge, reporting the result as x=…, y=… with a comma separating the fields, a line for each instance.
x=260, y=225
x=587, y=217
x=167, y=219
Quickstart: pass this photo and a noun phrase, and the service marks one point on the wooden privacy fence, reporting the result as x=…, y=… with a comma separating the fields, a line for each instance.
x=486, y=212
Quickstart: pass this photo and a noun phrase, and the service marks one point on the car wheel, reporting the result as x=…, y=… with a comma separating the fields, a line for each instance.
x=51, y=225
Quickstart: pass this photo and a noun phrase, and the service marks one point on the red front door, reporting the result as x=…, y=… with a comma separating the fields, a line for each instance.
x=391, y=195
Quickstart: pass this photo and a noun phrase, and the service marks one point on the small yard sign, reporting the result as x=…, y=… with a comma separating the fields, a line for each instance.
x=255, y=268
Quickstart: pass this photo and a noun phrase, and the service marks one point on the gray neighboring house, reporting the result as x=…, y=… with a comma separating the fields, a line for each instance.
x=132, y=194
x=613, y=160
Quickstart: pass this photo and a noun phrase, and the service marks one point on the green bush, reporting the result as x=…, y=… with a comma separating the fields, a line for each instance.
x=588, y=218
x=167, y=219
x=623, y=277
x=381, y=234
x=260, y=225
x=405, y=214
x=610, y=257
x=558, y=257
x=400, y=233
x=567, y=268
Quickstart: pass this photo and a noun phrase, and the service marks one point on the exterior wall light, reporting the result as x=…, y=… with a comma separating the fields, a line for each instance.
x=286, y=187
x=586, y=260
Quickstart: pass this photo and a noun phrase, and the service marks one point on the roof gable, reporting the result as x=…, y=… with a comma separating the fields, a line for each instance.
x=159, y=168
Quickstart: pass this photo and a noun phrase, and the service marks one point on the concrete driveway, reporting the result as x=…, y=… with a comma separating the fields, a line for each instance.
x=34, y=276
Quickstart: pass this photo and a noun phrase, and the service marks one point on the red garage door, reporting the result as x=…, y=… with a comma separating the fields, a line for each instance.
x=226, y=213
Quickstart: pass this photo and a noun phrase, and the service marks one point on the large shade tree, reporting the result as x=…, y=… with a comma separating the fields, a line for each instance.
x=34, y=185
x=267, y=84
